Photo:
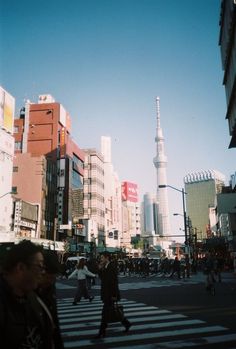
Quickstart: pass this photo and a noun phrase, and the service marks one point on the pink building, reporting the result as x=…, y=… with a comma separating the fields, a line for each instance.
x=43, y=131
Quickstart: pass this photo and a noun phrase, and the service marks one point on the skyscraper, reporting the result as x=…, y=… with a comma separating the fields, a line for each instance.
x=148, y=214
x=160, y=162
x=201, y=188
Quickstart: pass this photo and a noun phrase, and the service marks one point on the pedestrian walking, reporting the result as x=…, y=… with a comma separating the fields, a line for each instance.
x=81, y=272
x=176, y=268
x=187, y=266
x=109, y=292
x=93, y=267
x=25, y=320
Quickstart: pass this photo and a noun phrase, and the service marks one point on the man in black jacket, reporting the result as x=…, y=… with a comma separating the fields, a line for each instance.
x=25, y=320
x=109, y=292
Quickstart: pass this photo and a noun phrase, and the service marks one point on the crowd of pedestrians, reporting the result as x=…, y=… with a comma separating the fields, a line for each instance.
x=28, y=307
x=145, y=267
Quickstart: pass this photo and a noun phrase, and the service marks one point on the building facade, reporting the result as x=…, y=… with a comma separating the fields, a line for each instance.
x=226, y=217
x=201, y=188
x=94, y=202
x=7, y=109
x=148, y=214
x=43, y=129
x=112, y=194
x=33, y=190
x=227, y=42
x=131, y=222
x=26, y=218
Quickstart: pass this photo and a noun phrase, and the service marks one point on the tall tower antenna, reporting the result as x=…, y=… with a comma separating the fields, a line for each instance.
x=158, y=112
x=160, y=162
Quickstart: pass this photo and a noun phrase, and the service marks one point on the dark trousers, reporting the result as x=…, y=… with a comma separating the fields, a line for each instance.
x=104, y=322
x=82, y=291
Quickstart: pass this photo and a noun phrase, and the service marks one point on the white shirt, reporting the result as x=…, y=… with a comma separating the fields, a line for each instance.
x=80, y=274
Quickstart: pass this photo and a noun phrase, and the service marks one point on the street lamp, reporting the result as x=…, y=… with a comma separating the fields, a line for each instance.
x=10, y=192
x=184, y=209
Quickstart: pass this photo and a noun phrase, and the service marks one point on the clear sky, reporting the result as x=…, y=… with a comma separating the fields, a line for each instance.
x=107, y=60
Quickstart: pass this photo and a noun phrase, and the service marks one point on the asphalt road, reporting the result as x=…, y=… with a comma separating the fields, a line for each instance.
x=165, y=313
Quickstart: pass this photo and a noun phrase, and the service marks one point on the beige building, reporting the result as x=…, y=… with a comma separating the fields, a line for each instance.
x=26, y=217
x=112, y=193
x=94, y=206
x=201, y=188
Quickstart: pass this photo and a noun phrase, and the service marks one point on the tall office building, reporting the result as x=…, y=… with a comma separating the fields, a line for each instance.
x=227, y=42
x=201, y=188
x=160, y=162
x=148, y=214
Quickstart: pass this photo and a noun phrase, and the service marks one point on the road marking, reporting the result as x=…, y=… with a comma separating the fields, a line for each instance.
x=136, y=328
x=139, y=284
x=137, y=320
x=143, y=336
x=186, y=343
x=88, y=318
x=149, y=323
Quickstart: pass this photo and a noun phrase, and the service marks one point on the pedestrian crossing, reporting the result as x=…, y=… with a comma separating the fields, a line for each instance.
x=139, y=284
x=150, y=326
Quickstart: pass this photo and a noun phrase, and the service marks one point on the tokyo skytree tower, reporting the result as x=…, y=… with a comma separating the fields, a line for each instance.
x=160, y=162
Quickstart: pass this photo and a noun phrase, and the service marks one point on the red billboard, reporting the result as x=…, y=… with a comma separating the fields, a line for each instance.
x=129, y=192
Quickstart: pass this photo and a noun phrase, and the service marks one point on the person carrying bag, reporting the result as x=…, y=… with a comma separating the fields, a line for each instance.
x=115, y=313
x=110, y=295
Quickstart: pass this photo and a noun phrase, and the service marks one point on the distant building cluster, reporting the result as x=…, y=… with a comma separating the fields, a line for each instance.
x=61, y=192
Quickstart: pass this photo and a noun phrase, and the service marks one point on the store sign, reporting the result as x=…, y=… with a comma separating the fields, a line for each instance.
x=27, y=224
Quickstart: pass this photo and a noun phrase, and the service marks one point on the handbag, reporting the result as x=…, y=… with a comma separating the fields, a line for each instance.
x=115, y=313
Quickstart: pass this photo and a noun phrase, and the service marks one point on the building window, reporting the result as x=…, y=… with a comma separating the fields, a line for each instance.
x=17, y=145
x=14, y=190
x=16, y=129
x=15, y=168
x=78, y=161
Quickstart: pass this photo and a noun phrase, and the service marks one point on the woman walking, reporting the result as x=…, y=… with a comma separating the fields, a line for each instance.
x=80, y=273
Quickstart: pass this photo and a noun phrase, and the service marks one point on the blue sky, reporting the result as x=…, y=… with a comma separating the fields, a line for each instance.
x=107, y=60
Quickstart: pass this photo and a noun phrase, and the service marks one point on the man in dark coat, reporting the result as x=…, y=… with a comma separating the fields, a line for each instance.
x=109, y=292
x=47, y=292
x=25, y=320
x=176, y=267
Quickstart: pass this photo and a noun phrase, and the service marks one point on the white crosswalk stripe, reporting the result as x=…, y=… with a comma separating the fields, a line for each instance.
x=79, y=325
x=139, y=284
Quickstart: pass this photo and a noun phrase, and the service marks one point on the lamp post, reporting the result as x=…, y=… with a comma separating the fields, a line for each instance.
x=10, y=192
x=184, y=209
